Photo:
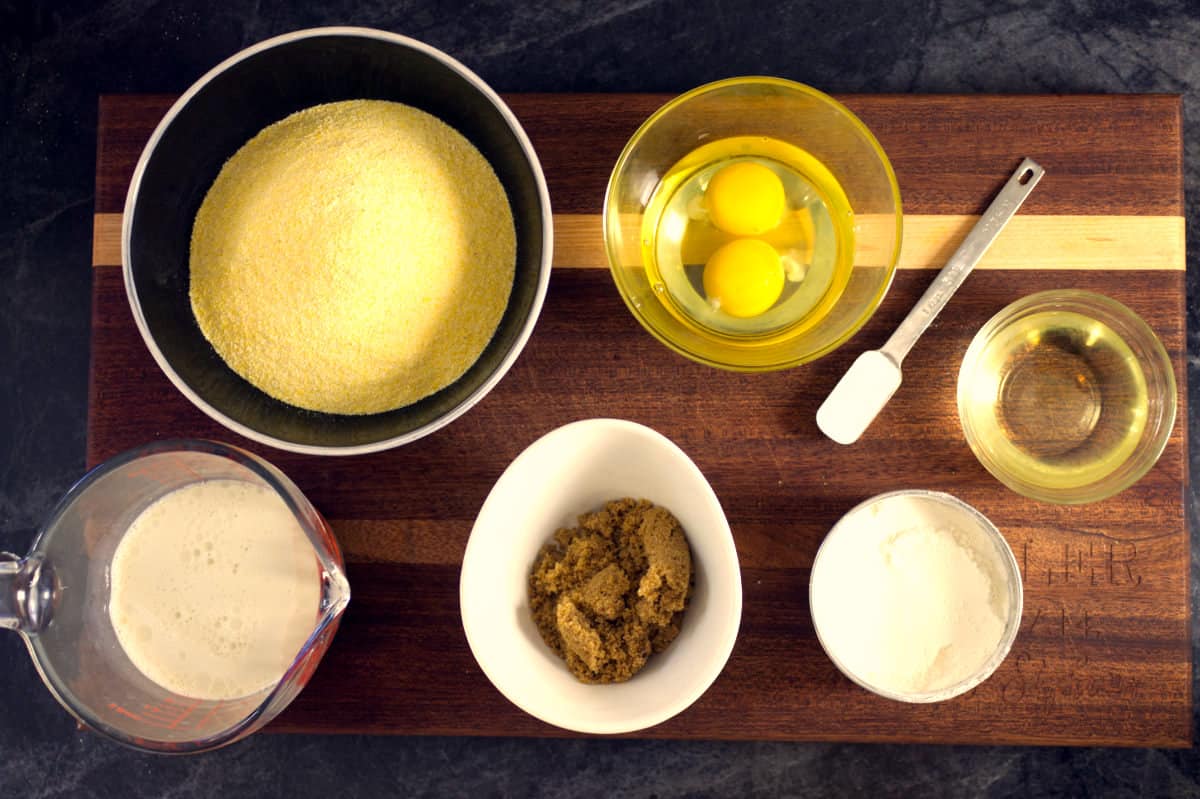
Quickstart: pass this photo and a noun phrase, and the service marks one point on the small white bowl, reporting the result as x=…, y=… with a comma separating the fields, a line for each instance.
x=835, y=599
x=567, y=472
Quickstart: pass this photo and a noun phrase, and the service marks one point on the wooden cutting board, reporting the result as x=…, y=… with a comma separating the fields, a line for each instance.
x=1103, y=655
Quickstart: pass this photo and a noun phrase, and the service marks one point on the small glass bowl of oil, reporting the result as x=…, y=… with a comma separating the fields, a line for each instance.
x=1067, y=396
x=753, y=224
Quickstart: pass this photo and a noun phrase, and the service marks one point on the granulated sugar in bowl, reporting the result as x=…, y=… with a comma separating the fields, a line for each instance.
x=915, y=596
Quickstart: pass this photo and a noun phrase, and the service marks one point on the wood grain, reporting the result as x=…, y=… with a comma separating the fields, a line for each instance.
x=1103, y=655
x=1103, y=155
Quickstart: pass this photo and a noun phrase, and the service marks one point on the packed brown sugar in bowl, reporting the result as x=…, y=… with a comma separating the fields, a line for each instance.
x=353, y=257
x=610, y=592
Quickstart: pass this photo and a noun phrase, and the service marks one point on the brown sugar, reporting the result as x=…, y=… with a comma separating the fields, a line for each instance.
x=610, y=592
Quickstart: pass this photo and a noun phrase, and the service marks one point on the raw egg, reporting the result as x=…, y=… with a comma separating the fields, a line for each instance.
x=743, y=278
x=746, y=199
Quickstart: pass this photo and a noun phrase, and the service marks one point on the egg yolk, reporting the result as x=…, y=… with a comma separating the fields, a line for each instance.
x=744, y=277
x=745, y=199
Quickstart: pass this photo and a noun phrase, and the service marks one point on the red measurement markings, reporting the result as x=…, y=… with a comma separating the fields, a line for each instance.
x=127, y=713
x=168, y=717
x=216, y=706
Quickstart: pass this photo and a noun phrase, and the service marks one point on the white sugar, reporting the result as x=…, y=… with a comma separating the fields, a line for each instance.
x=909, y=598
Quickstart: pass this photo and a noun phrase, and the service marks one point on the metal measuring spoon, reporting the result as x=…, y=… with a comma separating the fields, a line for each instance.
x=875, y=375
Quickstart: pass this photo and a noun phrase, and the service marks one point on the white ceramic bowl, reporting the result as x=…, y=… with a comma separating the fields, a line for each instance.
x=569, y=471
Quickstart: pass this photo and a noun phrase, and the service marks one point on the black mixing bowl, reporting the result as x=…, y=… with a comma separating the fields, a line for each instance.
x=224, y=110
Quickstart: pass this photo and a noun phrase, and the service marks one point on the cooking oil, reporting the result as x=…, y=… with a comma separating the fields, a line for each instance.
x=813, y=239
x=1058, y=398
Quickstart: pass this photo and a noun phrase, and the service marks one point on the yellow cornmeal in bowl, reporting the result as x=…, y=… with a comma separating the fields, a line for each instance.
x=353, y=257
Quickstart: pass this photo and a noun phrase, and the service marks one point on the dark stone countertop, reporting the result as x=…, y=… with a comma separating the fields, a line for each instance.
x=56, y=57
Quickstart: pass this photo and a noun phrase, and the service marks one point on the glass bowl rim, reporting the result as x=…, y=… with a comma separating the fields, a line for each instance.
x=1146, y=345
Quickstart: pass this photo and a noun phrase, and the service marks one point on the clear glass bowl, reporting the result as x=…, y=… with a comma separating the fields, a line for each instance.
x=1067, y=396
x=798, y=116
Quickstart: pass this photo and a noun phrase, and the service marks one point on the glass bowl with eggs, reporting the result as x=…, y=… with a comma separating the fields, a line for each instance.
x=753, y=224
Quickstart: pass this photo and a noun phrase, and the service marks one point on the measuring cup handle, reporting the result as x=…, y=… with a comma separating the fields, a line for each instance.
x=28, y=592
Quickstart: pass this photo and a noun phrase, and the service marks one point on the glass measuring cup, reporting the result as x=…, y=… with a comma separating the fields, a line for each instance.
x=57, y=599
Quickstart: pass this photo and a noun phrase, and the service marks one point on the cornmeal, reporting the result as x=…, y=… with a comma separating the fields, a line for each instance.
x=353, y=258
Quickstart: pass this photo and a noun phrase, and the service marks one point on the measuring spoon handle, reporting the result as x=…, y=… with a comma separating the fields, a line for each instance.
x=964, y=259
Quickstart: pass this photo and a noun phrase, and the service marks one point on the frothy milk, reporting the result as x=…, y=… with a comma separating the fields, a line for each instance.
x=215, y=588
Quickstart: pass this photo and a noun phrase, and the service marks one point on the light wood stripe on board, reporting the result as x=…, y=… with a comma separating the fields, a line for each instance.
x=1117, y=243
